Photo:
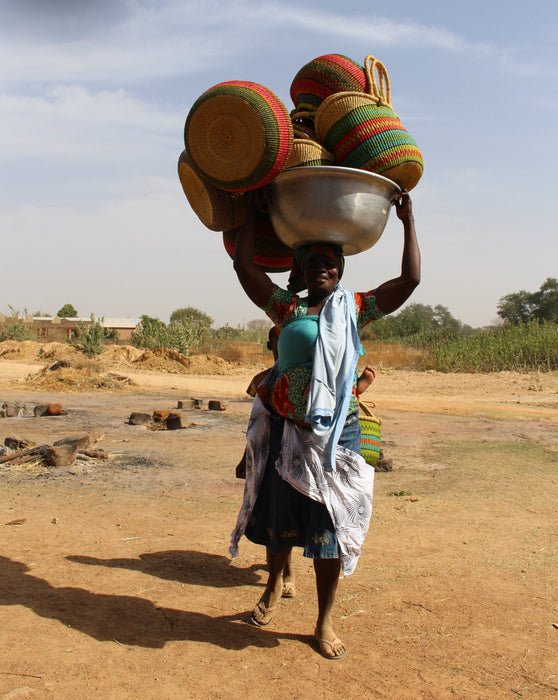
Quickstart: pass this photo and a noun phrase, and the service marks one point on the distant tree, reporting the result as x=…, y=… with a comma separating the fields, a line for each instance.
x=523, y=306
x=42, y=314
x=443, y=319
x=190, y=315
x=67, y=311
x=546, y=300
x=260, y=325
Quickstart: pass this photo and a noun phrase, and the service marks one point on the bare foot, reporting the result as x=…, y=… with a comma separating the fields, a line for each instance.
x=365, y=379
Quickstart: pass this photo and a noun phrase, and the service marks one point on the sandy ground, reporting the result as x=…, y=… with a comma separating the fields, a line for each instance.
x=115, y=579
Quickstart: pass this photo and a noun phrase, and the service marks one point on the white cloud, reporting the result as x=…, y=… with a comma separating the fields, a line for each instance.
x=73, y=122
x=177, y=38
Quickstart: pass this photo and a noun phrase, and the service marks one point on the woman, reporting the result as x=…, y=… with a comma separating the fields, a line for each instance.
x=306, y=484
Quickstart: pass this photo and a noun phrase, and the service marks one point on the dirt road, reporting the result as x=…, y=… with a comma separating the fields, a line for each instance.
x=115, y=580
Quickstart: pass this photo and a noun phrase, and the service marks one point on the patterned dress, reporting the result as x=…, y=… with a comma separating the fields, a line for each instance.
x=289, y=498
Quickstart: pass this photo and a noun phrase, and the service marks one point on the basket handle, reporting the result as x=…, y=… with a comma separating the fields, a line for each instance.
x=379, y=88
x=366, y=407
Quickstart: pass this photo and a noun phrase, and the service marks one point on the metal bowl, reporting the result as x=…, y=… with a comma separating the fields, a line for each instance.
x=330, y=203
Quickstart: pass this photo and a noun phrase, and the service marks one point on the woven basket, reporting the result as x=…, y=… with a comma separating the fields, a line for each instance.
x=325, y=76
x=370, y=441
x=308, y=152
x=362, y=131
x=238, y=136
x=271, y=255
x=215, y=208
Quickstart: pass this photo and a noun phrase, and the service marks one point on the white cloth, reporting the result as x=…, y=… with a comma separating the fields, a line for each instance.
x=334, y=363
x=347, y=492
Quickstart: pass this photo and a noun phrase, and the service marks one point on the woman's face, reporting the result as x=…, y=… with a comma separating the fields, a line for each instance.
x=321, y=273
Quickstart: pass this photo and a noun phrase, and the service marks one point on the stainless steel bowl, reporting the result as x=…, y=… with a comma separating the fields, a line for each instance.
x=330, y=203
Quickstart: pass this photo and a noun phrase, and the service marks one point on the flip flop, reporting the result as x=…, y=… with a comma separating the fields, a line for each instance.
x=289, y=590
x=264, y=610
x=325, y=643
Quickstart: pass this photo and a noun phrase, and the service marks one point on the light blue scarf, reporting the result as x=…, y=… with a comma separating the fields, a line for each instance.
x=335, y=358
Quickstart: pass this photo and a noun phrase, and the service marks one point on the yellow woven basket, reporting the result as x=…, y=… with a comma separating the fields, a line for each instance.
x=215, y=208
x=362, y=130
x=308, y=152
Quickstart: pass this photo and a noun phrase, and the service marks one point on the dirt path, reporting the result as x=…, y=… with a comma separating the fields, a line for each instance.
x=116, y=583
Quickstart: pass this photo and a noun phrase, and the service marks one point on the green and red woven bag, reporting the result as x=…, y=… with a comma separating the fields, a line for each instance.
x=362, y=130
x=271, y=254
x=371, y=439
x=238, y=136
x=323, y=77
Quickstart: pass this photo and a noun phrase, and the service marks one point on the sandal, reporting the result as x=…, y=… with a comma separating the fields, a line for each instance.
x=264, y=611
x=325, y=643
x=289, y=590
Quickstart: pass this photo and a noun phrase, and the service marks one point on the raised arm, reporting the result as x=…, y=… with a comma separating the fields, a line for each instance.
x=391, y=294
x=257, y=285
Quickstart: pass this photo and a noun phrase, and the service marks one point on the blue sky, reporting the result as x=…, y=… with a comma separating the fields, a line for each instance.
x=93, y=99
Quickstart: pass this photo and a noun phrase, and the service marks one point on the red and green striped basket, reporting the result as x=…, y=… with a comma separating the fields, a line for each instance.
x=271, y=254
x=325, y=76
x=238, y=135
x=362, y=131
x=371, y=439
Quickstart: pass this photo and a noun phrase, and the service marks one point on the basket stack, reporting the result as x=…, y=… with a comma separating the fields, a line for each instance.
x=239, y=136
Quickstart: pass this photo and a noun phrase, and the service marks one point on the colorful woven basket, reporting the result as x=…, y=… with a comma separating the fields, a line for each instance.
x=362, y=131
x=238, y=136
x=308, y=152
x=325, y=76
x=370, y=441
x=271, y=255
x=215, y=208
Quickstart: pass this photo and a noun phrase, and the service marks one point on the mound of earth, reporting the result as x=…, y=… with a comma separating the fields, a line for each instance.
x=120, y=354
x=66, y=378
x=24, y=350
x=173, y=362
x=60, y=351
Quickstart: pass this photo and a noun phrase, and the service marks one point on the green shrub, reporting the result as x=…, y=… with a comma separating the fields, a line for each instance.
x=14, y=327
x=90, y=336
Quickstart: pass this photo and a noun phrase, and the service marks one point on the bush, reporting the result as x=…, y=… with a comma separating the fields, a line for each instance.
x=90, y=336
x=14, y=327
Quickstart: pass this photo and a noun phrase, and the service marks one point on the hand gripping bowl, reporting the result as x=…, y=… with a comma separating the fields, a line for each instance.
x=330, y=203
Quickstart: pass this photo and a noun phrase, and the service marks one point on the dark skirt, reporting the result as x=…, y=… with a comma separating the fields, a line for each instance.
x=282, y=516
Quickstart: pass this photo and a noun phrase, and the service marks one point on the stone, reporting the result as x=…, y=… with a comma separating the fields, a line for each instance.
x=160, y=416
x=15, y=443
x=60, y=456
x=80, y=440
x=215, y=405
x=12, y=410
x=40, y=410
x=176, y=421
x=55, y=409
x=190, y=404
x=137, y=418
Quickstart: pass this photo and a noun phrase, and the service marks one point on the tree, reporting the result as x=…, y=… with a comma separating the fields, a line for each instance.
x=190, y=315
x=546, y=300
x=90, y=336
x=523, y=306
x=67, y=311
x=445, y=320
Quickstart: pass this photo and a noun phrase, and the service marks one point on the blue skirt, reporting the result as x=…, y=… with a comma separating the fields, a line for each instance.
x=282, y=516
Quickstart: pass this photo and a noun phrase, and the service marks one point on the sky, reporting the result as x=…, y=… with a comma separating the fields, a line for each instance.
x=93, y=99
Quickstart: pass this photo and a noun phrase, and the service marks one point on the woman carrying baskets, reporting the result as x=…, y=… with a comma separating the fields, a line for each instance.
x=306, y=483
